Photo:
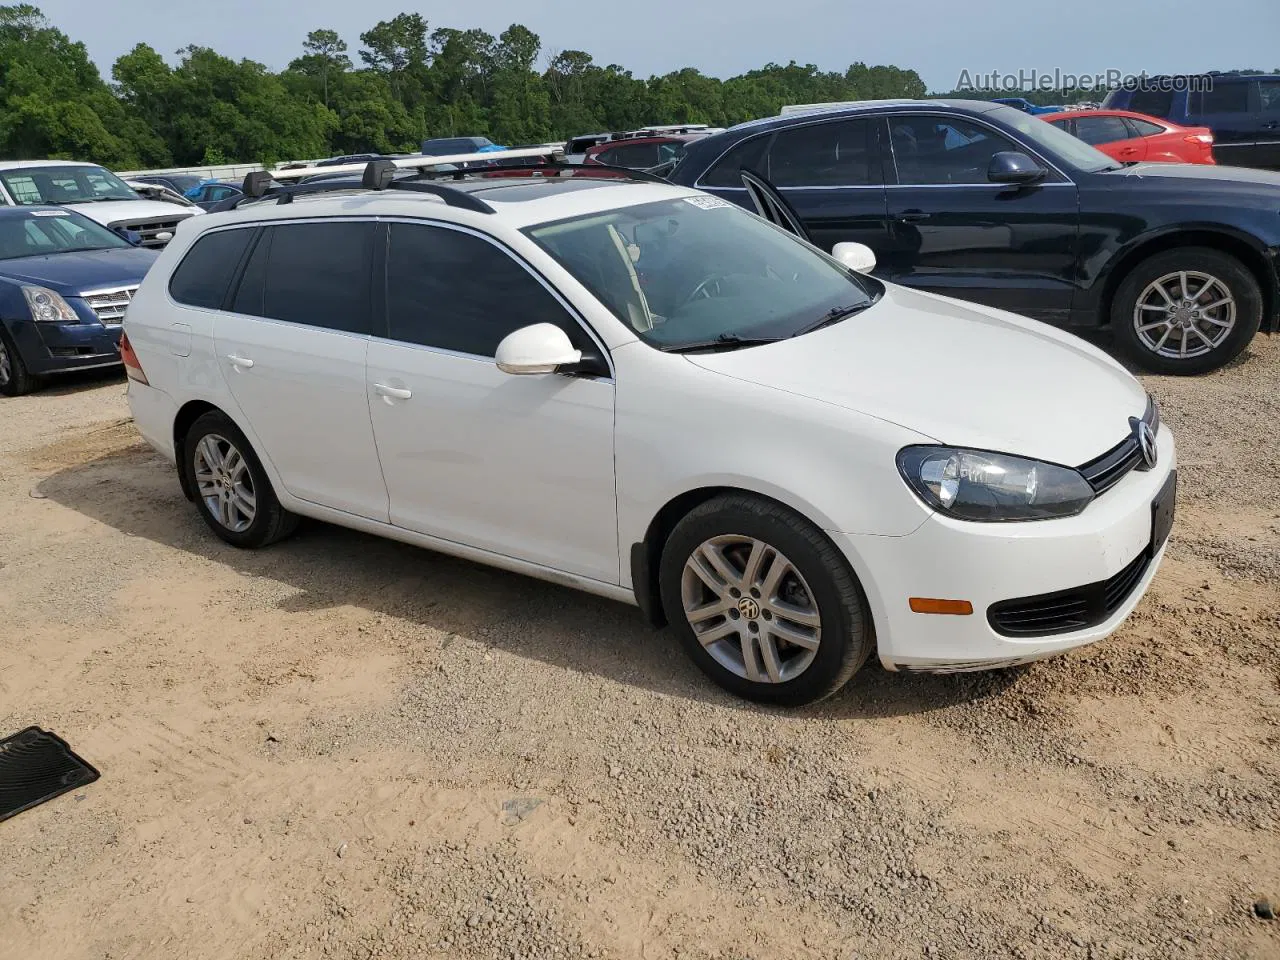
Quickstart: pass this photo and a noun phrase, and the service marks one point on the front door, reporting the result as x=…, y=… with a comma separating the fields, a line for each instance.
x=952, y=231
x=292, y=351
x=521, y=466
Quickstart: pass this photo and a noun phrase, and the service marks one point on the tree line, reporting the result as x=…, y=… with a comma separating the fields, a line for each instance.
x=406, y=81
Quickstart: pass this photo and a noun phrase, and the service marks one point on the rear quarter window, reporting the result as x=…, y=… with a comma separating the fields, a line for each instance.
x=204, y=276
x=726, y=171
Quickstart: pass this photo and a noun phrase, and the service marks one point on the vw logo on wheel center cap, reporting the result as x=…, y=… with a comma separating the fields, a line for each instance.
x=748, y=608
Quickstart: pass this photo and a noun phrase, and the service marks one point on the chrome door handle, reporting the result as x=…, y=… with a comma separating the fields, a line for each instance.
x=240, y=363
x=398, y=393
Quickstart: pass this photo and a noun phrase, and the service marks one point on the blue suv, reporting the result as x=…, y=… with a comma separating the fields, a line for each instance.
x=1242, y=111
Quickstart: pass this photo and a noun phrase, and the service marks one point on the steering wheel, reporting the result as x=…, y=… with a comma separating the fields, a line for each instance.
x=704, y=288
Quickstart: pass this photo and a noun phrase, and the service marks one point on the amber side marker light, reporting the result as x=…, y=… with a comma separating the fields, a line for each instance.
x=960, y=608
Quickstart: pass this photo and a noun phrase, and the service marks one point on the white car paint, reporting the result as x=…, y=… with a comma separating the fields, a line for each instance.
x=558, y=477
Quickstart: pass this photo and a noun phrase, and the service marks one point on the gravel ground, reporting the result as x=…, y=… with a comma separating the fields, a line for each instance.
x=346, y=747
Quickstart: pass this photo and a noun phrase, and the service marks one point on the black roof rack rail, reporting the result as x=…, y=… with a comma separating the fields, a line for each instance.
x=557, y=166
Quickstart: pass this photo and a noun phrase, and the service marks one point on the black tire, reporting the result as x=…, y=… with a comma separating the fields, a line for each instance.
x=1230, y=274
x=846, y=637
x=15, y=379
x=270, y=521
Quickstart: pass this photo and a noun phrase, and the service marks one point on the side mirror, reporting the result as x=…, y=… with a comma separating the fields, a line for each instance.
x=539, y=348
x=1009, y=166
x=855, y=256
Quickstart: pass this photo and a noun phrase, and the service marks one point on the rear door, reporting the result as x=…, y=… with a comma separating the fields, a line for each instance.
x=954, y=232
x=1113, y=137
x=1268, y=145
x=292, y=350
x=829, y=171
x=1230, y=109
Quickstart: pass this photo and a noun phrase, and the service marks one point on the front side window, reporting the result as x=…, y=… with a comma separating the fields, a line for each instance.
x=1269, y=91
x=1046, y=138
x=316, y=273
x=58, y=184
x=53, y=231
x=832, y=154
x=1096, y=130
x=455, y=291
x=205, y=273
x=701, y=271
x=934, y=150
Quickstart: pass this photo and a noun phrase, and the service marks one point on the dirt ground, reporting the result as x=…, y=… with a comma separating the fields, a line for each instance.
x=345, y=747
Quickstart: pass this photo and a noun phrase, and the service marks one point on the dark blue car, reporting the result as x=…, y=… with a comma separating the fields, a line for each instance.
x=981, y=202
x=64, y=284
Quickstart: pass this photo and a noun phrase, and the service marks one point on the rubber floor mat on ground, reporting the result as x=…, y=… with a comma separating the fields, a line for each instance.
x=36, y=766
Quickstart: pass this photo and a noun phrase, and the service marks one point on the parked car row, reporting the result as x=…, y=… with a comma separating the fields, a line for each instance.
x=639, y=390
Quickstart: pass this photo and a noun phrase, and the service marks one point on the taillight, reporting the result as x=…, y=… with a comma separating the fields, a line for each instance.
x=132, y=367
x=1205, y=138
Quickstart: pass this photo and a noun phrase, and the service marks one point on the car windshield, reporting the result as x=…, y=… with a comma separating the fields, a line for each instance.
x=698, y=272
x=1075, y=153
x=28, y=185
x=53, y=231
x=185, y=181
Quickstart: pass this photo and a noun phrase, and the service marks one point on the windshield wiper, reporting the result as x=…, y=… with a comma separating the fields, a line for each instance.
x=726, y=341
x=834, y=315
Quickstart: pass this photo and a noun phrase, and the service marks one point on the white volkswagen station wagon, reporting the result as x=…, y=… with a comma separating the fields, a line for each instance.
x=650, y=394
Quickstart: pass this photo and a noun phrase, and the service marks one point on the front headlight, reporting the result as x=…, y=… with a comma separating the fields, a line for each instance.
x=48, y=307
x=992, y=487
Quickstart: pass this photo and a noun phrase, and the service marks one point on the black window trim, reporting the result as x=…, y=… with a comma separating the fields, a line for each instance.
x=382, y=322
x=1065, y=181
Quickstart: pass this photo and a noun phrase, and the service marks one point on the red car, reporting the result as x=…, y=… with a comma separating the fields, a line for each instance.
x=1135, y=137
x=638, y=153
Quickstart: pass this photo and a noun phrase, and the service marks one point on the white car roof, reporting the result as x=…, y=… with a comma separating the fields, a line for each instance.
x=516, y=202
x=21, y=164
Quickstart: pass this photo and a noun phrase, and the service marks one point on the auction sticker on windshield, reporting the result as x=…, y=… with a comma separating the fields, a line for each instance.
x=707, y=203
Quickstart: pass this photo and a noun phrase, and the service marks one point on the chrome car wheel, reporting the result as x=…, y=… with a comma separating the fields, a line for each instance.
x=225, y=483
x=1184, y=314
x=6, y=365
x=751, y=609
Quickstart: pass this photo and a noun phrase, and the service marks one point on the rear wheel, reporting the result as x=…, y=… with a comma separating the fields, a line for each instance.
x=1186, y=311
x=763, y=602
x=15, y=380
x=232, y=491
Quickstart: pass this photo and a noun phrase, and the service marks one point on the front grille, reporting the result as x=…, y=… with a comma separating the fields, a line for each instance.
x=1066, y=611
x=1106, y=471
x=154, y=233
x=110, y=305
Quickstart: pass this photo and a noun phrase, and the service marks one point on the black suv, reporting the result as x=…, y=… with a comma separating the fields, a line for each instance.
x=982, y=202
x=1242, y=111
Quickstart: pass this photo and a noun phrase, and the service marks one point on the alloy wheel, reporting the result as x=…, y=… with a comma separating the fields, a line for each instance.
x=751, y=609
x=6, y=364
x=225, y=483
x=1184, y=314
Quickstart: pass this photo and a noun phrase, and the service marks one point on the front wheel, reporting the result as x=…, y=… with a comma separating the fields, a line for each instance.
x=1186, y=311
x=15, y=379
x=763, y=602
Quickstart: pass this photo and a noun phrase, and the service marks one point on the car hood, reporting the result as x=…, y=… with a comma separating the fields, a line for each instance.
x=107, y=212
x=72, y=273
x=1197, y=176
x=962, y=374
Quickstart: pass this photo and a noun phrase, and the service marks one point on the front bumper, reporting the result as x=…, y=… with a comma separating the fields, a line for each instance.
x=57, y=347
x=987, y=563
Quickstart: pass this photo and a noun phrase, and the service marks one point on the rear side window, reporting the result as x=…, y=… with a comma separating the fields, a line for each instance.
x=1154, y=103
x=832, y=154
x=1145, y=128
x=634, y=156
x=1096, y=130
x=314, y=273
x=725, y=172
x=1223, y=98
x=205, y=273
x=454, y=291
x=1269, y=90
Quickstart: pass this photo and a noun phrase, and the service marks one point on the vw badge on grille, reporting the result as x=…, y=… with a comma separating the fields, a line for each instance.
x=1146, y=438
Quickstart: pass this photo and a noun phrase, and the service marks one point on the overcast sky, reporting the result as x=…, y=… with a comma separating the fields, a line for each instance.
x=937, y=38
